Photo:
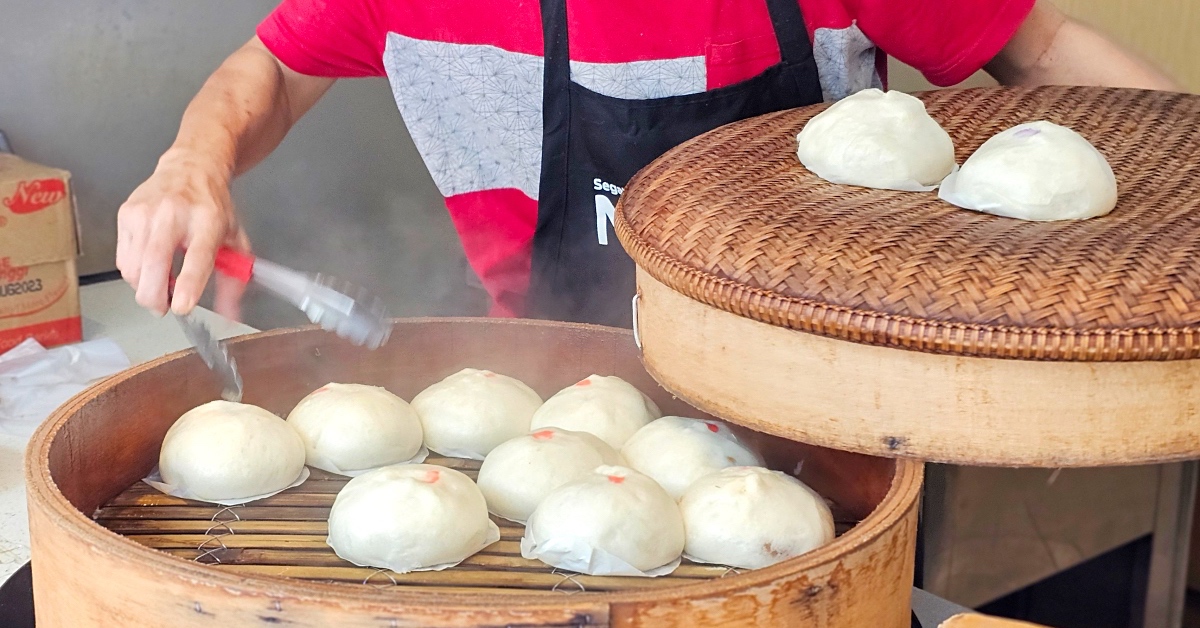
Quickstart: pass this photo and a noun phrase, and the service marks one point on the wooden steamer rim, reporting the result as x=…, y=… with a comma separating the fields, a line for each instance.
x=142, y=586
x=1042, y=344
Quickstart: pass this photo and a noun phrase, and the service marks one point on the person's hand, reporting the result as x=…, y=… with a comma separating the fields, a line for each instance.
x=185, y=205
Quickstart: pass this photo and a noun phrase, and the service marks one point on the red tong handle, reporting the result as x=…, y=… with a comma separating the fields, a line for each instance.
x=234, y=264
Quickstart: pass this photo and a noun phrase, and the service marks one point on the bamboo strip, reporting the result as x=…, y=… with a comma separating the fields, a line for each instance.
x=458, y=577
x=203, y=526
x=326, y=558
x=274, y=541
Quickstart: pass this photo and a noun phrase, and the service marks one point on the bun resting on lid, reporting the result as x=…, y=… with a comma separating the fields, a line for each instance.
x=877, y=139
x=1035, y=171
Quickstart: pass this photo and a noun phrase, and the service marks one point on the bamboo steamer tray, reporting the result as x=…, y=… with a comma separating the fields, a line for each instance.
x=108, y=551
x=892, y=323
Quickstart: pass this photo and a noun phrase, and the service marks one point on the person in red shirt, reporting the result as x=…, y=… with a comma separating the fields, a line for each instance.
x=531, y=116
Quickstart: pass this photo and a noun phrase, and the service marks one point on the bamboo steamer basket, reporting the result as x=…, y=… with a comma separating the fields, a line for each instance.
x=892, y=323
x=108, y=552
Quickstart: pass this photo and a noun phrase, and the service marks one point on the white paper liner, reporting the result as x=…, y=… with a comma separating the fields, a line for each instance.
x=949, y=193
x=458, y=453
x=518, y=521
x=709, y=562
x=492, y=536
x=907, y=185
x=911, y=185
x=321, y=462
x=155, y=480
x=578, y=555
x=35, y=380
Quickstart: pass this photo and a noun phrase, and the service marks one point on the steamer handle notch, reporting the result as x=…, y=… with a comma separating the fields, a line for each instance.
x=637, y=338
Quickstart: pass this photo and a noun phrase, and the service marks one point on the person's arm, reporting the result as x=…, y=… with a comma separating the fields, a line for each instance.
x=1052, y=49
x=239, y=116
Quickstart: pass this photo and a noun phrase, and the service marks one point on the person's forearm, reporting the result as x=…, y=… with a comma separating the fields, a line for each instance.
x=243, y=112
x=1052, y=49
x=240, y=115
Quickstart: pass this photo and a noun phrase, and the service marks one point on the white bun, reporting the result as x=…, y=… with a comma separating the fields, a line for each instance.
x=750, y=517
x=607, y=407
x=470, y=412
x=877, y=139
x=676, y=451
x=354, y=427
x=410, y=517
x=517, y=475
x=224, y=451
x=616, y=510
x=1035, y=171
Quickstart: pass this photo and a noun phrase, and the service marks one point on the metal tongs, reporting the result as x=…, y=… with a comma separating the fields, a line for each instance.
x=336, y=306
x=213, y=352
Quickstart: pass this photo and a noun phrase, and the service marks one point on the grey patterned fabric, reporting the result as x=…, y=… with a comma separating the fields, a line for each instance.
x=643, y=80
x=845, y=60
x=475, y=111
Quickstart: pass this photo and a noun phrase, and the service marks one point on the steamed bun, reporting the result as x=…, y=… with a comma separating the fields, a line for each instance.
x=877, y=139
x=410, y=517
x=612, y=520
x=751, y=517
x=470, y=412
x=608, y=407
x=1035, y=171
x=676, y=451
x=226, y=451
x=347, y=428
x=517, y=475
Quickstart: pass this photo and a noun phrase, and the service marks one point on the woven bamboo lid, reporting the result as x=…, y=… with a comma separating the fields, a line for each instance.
x=731, y=219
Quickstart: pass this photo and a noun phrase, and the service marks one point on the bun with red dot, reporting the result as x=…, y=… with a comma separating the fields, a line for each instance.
x=750, y=517
x=608, y=407
x=352, y=428
x=470, y=412
x=676, y=451
x=410, y=517
x=611, y=521
x=517, y=475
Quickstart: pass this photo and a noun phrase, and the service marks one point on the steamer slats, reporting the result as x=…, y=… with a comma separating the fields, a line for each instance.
x=284, y=535
x=245, y=513
x=154, y=526
x=274, y=541
x=326, y=558
x=204, y=526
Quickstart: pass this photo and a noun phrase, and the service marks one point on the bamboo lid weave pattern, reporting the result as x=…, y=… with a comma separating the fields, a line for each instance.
x=732, y=219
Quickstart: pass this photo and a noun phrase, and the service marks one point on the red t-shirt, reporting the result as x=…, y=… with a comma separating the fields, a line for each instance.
x=467, y=78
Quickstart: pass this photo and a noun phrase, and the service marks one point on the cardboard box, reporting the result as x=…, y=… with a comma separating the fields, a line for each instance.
x=39, y=241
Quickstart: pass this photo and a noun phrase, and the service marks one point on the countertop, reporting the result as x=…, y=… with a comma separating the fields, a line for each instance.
x=109, y=311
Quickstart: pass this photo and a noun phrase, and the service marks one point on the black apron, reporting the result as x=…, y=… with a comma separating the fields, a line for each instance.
x=593, y=144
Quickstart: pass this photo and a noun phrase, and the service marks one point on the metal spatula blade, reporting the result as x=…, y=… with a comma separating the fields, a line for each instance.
x=214, y=354
x=211, y=351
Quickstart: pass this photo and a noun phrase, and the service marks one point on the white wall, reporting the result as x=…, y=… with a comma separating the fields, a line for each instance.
x=97, y=87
